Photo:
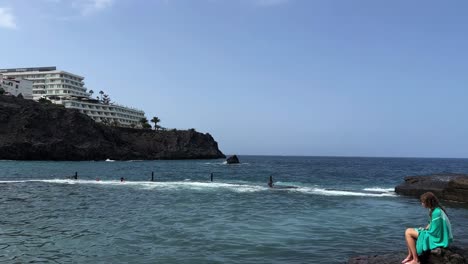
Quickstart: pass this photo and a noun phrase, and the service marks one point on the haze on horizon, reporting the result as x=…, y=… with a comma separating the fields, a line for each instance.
x=269, y=77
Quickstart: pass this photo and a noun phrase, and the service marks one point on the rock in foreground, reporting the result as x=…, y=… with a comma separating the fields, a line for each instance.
x=34, y=131
x=451, y=255
x=233, y=160
x=452, y=187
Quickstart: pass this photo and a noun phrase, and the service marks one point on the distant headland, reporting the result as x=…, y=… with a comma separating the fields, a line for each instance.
x=34, y=131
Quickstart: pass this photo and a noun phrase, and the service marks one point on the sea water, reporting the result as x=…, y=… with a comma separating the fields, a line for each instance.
x=341, y=207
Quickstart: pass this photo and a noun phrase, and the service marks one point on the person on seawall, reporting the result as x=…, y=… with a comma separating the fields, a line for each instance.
x=438, y=233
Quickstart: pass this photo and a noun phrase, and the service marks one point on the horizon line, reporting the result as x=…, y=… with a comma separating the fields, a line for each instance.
x=344, y=156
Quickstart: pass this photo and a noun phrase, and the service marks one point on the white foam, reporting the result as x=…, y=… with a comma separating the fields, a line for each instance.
x=209, y=186
x=12, y=181
x=236, y=164
x=328, y=192
x=296, y=184
x=379, y=189
x=240, y=187
x=109, y=160
x=173, y=185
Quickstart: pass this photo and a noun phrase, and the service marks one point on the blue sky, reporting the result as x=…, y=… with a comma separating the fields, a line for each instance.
x=273, y=77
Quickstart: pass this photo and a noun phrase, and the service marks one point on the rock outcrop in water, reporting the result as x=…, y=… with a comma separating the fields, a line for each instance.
x=232, y=160
x=34, y=131
x=453, y=187
x=451, y=255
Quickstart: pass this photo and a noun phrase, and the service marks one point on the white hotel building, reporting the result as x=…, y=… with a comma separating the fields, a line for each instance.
x=68, y=89
x=13, y=86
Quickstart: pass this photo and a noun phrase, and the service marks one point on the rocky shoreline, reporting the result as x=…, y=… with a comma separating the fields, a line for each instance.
x=446, y=186
x=451, y=255
x=33, y=131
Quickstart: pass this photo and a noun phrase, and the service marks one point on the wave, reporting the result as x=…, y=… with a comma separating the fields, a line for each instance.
x=379, y=189
x=332, y=192
x=13, y=181
x=236, y=164
x=240, y=187
x=215, y=163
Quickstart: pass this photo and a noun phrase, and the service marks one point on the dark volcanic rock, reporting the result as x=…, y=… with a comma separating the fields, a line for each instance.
x=453, y=187
x=232, y=160
x=451, y=255
x=34, y=131
x=392, y=258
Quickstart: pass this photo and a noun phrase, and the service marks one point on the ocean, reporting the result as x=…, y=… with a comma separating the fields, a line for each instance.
x=342, y=207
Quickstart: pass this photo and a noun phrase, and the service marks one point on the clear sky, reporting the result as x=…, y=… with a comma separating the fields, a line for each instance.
x=272, y=77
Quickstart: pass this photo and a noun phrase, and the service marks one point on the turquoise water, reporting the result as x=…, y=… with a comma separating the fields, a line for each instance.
x=341, y=208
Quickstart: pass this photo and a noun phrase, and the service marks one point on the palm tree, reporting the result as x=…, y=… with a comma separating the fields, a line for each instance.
x=144, y=123
x=143, y=120
x=91, y=92
x=101, y=93
x=106, y=99
x=156, y=120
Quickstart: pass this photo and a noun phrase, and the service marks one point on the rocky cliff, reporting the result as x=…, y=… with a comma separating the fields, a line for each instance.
x=34, y=131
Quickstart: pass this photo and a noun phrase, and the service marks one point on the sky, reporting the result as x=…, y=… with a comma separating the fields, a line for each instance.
x=266, y=77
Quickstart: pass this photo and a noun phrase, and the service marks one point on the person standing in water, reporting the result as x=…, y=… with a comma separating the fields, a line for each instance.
x=270, y=182
x=438, y=233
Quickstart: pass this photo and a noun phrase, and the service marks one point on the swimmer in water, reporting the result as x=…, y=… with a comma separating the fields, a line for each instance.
x=270, y=182
x=122, y=179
